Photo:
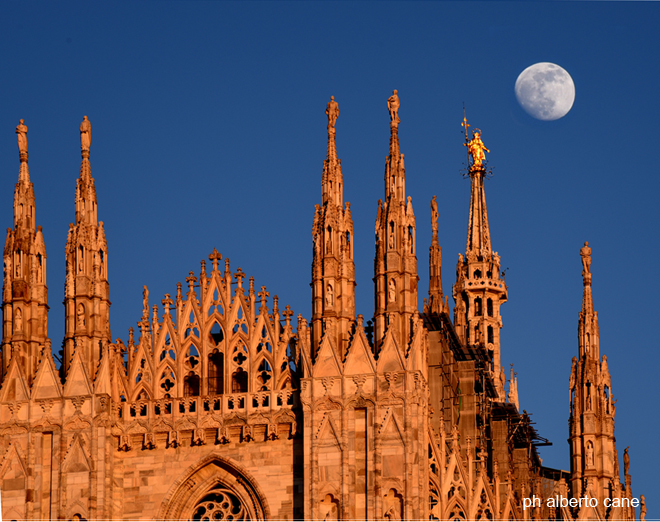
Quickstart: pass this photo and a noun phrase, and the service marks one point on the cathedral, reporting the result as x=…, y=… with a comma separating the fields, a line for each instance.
x=224, y=405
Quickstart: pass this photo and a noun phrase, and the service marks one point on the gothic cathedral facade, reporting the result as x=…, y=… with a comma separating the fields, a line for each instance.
x=222, y=405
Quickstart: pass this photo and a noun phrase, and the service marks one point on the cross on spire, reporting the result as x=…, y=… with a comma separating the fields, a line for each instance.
x=262, y=295
x=287, y=314
x=239, y=275
x=215, y=256
x=167, y=302
x=191, y=280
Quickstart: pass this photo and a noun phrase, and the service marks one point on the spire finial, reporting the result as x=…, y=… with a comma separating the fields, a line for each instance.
x=85, y=136
x=332, y=111
x=585, y=253
x=393, y=106
x=434, y=220
x=476, y=149
x=21, y=130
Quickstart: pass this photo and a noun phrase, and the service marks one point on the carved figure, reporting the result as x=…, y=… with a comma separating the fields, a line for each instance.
x=390, y=240
x=434, y=216
x=81, y=316
x=590, y=454
x=332, y=111
x=476, y=148
x=391, y=294
x=626, y=462
x=145, y=301
x=391, y=514
x=21, y=130
x=329, y=296
x=85, y=134
x=18, y=320
x=393, y=106
x=585, y=252
x=571, y=382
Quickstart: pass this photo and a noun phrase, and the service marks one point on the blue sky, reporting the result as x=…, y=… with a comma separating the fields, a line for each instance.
x=209, y=131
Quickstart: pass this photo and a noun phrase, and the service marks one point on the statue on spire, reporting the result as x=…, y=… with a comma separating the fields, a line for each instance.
x=332, y=111
x=85, y=134
x=393, y=106
x=476, y=149
x=434, y=216
x=585, y=252
x=21, y=130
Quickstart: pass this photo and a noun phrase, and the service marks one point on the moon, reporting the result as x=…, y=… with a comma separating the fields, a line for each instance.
x=546, y=91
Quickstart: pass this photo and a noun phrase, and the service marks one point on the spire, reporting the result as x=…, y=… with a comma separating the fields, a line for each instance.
x=588, y=323
x=478, y=240
x=396, y=260
x=25, y=295
x=333, y=269
x=332, y=181
x=86, y=300
x=395, y=172
x=479, y=290
x=592, y=410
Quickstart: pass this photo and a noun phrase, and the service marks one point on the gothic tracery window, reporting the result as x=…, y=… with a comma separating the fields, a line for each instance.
x=220, y=504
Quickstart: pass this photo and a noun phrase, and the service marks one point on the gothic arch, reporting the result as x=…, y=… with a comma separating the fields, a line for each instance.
x=210, y=474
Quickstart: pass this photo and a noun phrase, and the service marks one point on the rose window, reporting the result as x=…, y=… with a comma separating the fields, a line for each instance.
x=220, y=504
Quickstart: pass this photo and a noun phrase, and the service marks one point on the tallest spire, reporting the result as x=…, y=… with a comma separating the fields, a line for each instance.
x=479, y=290
x=478, y=240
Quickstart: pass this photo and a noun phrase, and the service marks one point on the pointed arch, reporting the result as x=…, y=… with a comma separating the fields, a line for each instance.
x=212, y=474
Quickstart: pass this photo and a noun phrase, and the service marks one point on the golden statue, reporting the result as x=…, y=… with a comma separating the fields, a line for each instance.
x=476, y=148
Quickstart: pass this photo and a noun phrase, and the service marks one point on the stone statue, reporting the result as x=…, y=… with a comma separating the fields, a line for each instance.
x=590, y=454
x=571, y=382
x=626, y=462
x=434, y=216
x=85, y=134
x=145, y=302
x=393, y=106
x=81, y=316
x=329, y=296
x=332, y=111
x=585, y=252
x=21, y=130
x=476, y=148
x=7, y=267
x=18, y=320
x=391, y=294
x=642, y=507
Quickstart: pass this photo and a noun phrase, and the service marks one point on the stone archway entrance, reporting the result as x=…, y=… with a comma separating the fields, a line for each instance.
x=215, y=488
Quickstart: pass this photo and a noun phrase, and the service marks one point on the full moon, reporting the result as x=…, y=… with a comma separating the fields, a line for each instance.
x=546, y=91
